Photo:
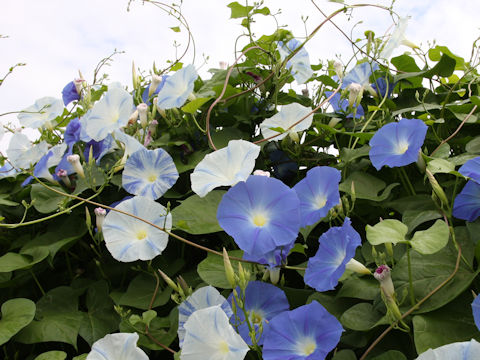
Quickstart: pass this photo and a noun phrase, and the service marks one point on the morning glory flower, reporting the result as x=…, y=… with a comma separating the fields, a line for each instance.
x=50, y=159
x=397, y=143
x=120, y=346
x=260, y=214
x=263, y=301
x=396, y=39
x=360, y=74
x=41, y=113
x=286, y=117
x=71, y=91
x=99, y=148
x=273, y=258
x=8, y=170
x=209, y=335
x=318, y=193
x=299, y=63
x=341, y=105
x=337, y=247
x=129, y=239
x=224, y=167
x=467, y=350
x=466, y=205
x=383, y=87
x=72, y=132
x=177, y=88
x=110, y=113
x=202, y=298
x=149, y=173
x=476, y=311
x=153, y=88
x=307, y=332
x=21, y=153
x=471, y=169
x=131, y=144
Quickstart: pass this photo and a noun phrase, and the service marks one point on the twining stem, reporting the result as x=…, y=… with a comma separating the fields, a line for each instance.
x=410, y=280
x=407, y=180
x=37, y=282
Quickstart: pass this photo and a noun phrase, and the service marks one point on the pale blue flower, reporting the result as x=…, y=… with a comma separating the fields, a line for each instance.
x=50, y=159
x=318, y=193
x=110, y=113
x=120, y=346
x=22, y=153
x=129, y=239
x=177, y=88
x=360, y=74
x=224, y=167
x=131, y=144
x=307, y=332
x=299, y=64
x=209, y=335
x=285, y=118
x=202, y=298
x=149, y=173
x=8, y=170
x=41, y=113
x=341, y=106
x=476, y=311
x=466, y=205
x=471, y=169
x=467, y=350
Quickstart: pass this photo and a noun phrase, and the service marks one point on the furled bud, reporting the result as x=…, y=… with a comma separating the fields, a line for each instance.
x=168, y=281
x=142, y=113
x=100, y=214
x=355, y=92
x=133, y=118
x=230, y=274
x=274, y=275
x=382, y=274
x=74, y=160
x=357, y=267
x=338, y=67
x=156, y=80
x=63, y=175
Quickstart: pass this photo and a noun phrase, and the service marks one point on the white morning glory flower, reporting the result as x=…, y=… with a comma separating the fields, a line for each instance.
x=209, y=335
x=110, y=113
x=129, y=239
x=120, y=346
x=397, y=38
x=202, y=298
x=41, y=113
x=177, y=88
x=22, y=154
x=131, y=144
x=286, y=117
x=224, y=167
x=299, y=63
x=149, y=173
x=467, y=350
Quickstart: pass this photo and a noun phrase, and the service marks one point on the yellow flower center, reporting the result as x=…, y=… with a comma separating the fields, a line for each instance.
x=309, y=347
x=402, y=147
x=256, y=318
x=223, y=347
x=259, y=220
x=320, y=202
x=152, y=178
x=142, y=234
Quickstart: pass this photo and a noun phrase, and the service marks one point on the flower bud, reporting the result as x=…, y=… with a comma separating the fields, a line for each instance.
x=223, y=65
x=63, y=175
x=261, y=173
x=382, y=274
x=274, y=275
x=168, y=281
x=156, y=80
x=357, y=267
x=74, y=160
x=334, y=121
x=230, y=274
x=338, y=67
x=100, y=214
x=133, y=118
x=142, y=113
x=437, y=189
x=305, y=92
x=355, y=92
x=294, y=136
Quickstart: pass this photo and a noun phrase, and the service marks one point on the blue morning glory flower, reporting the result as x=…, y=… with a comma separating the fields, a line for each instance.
x=307, y=332
x=50, y=159
x=273, y=258
x=260, y=214
x=71, y=91
x=299, y=64
x=471, y=169
x=202, y=298
x=72, y=132
x=159, y=86
x=263, y=301
x=467, y=350
x=120, y=346
x=177, y=88
x=99, y=148
x=8, y=170
x=149, y=173
x=360, y=74
x=397, y=143
x=466, y=205
x=318, y=193
x=337, y=247
x=383, y=87
x=41, y=113
x=476, y=311
x=341, y=105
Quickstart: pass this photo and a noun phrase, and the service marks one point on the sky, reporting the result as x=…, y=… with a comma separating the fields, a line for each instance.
x=57, y=38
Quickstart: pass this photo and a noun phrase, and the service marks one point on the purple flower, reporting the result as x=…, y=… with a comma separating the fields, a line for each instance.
x=72, y=132
x=308, y=332
x=273, y=258
x=71, y=91
x=471, y=169
x=397, y=143
x=260, y=214
x=99, y=148
x=318, y=193
x=341, y=105
x=337, y=247
x=263, y=301
x=476, y=311
x=466, y=205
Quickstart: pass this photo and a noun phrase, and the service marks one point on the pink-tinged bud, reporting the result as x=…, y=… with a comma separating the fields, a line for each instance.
x=152, y=128
x=156, y=80
x=78, y=85
x=382, y=274
x=261, y=173
x=223, y=65
x=142, y=113
x=354, y=93
x=100, y=214
x=75, y=161
x=338, y=67
x=63, y=175
x=148, y=139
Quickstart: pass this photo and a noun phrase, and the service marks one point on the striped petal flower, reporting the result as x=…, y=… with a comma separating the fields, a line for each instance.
x=41, y=113
x=224, y=167
x=260, y=214
x=299, y=64
x=467, y=350
x=129, y=239
x=209, y=335
x=360, y=74
x=285, y=118
x=318, y=193
x=202, y=298
x=307, y=332
x=110, y=113
x=121, y=346
x=177, y=88
x=22, y=153
x=149, y=173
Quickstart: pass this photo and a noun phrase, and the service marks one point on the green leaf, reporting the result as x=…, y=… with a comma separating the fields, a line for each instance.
x=413, y=218
x=391, y=355
x=452, y=323
x=222, y=137
x=13, y=261
x=190, y=161
x=431, y=240
x=264, y=11
x=16, y=314
x=175, y=28
x=366, y=186
x=440, y=166
x=45, y=200
x=194, y=105
x=212, y=271
x=443, y=151
x=444, y=67
x=347, y=155
x=197, y=215
x=365, y=288
x=80, y=357
x=390, y=230
x=344, y=355
x=473, y=146
x=362, y=317
x=435, y=55
x=409, y=70
x=239, y=11
x=4, y=201
x=101, y=319
x=52, y=355
x=57, y=319
x=139, y=293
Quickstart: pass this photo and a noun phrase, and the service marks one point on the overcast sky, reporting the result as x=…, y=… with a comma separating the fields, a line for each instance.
x=56, y=38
